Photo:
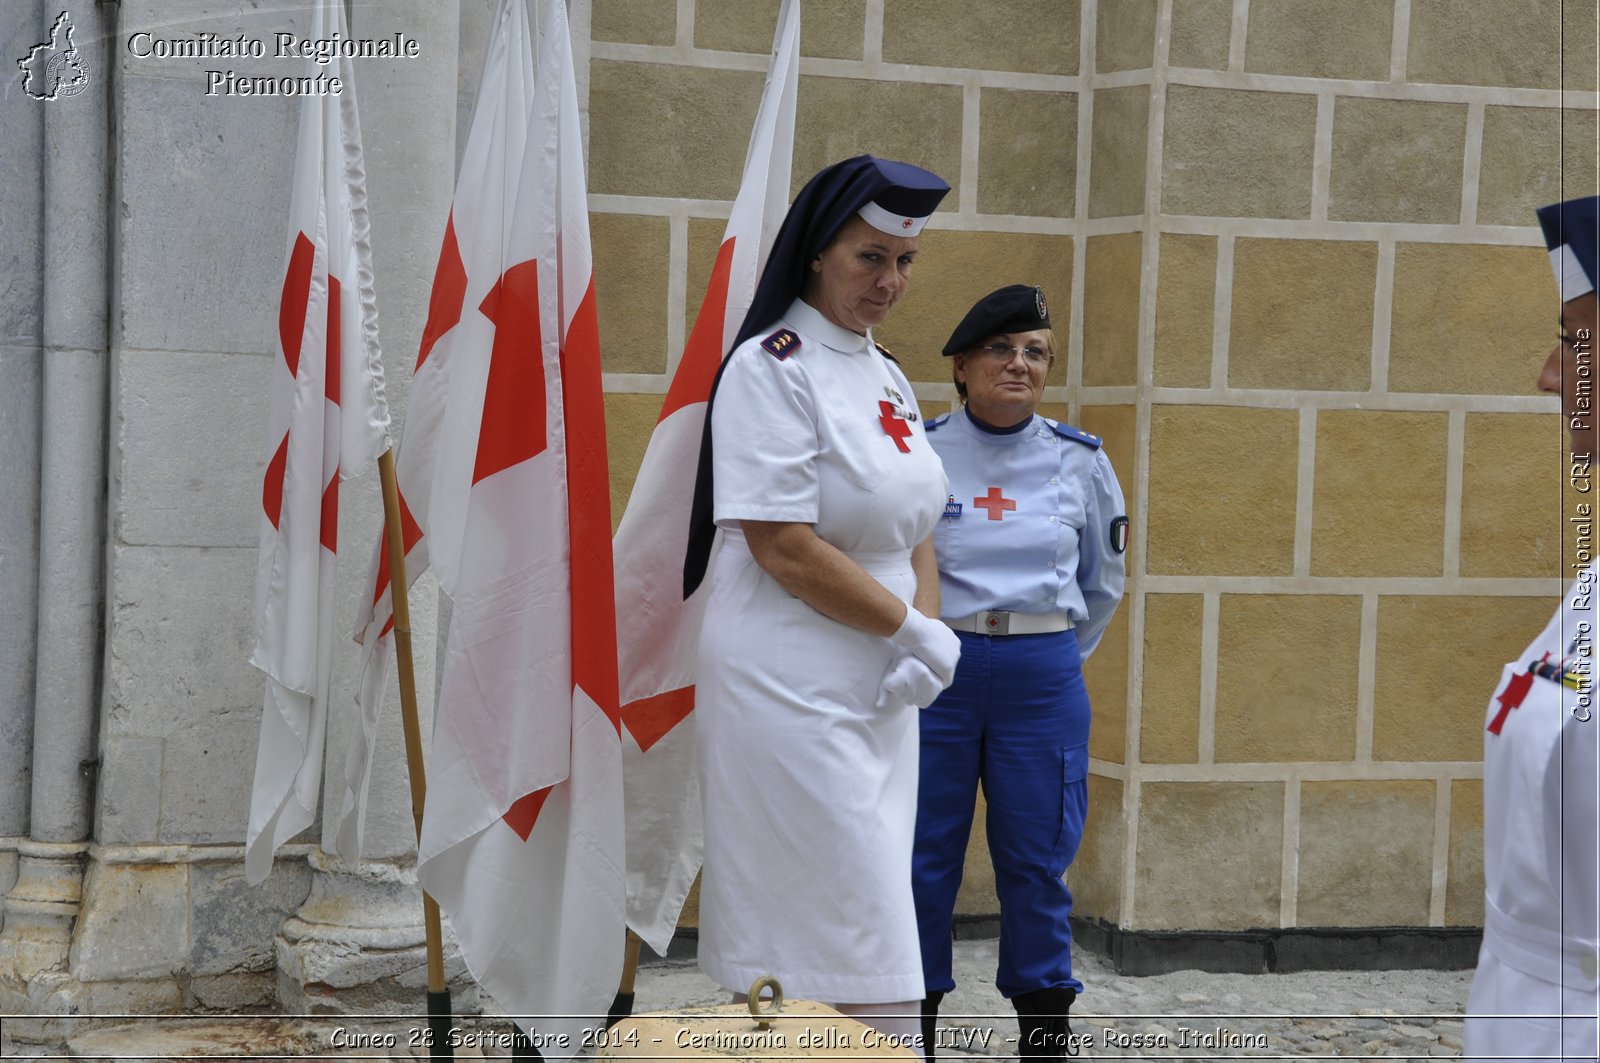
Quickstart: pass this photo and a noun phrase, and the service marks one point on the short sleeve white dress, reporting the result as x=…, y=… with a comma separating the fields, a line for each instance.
x=810, y=791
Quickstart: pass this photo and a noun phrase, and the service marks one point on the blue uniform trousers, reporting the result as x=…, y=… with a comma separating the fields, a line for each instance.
x=1016, y=719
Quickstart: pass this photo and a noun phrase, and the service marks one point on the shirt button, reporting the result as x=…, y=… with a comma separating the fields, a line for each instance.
x=1054, y=480
x=1049, y=564
x=1052, y=519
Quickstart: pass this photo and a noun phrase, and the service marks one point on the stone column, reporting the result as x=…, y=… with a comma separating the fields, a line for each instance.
x=42, y=904
x=22, y=367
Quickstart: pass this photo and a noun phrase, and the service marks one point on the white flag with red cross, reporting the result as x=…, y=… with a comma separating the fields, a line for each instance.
x=328, y=421
x=522, y=838
x=438, y=447
x=658, y=632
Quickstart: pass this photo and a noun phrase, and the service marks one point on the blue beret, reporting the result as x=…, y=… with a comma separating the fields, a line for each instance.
x=1014, y=308
x=1570, y=231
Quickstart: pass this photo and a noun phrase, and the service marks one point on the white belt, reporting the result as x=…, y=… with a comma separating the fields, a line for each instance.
x=999, y=622
x=1540, y=951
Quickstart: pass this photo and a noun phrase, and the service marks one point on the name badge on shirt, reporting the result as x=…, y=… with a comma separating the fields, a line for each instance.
x=952, y=509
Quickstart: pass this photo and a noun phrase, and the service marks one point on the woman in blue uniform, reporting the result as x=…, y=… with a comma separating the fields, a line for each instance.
x=1030, y=552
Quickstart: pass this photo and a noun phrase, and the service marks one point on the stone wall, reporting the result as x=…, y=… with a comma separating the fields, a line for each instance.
x=1290, y=249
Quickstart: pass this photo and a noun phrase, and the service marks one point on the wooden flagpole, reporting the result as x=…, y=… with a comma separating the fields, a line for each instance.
x=439, y=1011
x=622, y=1005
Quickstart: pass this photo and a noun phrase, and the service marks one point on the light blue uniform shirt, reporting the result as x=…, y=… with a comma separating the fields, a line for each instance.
x=1035, y=523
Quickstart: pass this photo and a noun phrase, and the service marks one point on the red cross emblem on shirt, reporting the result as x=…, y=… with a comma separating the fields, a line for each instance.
x=995, y=503
x=894, y=426
x=1511, y=698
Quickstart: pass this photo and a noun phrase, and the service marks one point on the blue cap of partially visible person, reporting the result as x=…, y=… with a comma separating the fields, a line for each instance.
x=1572, y=234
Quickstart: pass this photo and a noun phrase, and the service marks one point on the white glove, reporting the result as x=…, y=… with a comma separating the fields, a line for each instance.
x=909, y=682
x=932, y=642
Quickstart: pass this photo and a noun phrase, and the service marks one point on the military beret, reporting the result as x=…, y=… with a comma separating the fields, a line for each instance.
x=1014, y=308
x=1570, y=232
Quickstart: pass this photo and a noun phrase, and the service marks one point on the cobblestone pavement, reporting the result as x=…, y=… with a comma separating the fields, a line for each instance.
x=1327, y=1014
x=1392, y=1014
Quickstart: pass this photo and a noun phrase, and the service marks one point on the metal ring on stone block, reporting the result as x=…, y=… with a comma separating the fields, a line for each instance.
x=764, y=1018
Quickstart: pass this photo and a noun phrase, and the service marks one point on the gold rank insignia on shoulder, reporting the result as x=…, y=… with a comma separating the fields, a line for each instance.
x=781, y=344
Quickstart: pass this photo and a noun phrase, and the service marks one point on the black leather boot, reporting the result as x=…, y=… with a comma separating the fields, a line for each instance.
x=930, y=1022
x=1042, y=1023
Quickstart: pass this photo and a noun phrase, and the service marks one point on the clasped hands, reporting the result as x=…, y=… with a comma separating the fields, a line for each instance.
x=926, y=652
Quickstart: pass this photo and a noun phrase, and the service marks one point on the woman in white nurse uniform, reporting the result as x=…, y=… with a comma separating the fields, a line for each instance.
x=821, y=638
x=1536, y=994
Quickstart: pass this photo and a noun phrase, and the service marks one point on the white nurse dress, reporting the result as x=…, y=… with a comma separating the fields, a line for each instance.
x=810, y=790
x=1536, y=993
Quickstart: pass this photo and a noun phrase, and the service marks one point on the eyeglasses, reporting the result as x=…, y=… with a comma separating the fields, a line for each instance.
x=1003, y=352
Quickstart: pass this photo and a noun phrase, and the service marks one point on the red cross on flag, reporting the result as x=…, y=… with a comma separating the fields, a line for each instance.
x=328, y=420
x=658, y=633
x=522, y=832
x=439, y=446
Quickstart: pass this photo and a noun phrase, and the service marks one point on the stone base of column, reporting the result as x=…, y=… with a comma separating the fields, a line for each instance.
x=39, y=913
x=357, y=945
x=99, y=930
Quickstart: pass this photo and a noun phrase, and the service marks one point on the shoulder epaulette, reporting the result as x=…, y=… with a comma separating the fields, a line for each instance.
x=935, y=424
x=781, y=344
x=1077, y=435
x=885, y=352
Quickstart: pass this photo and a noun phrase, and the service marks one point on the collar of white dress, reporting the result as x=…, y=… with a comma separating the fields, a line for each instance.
x=808, y=320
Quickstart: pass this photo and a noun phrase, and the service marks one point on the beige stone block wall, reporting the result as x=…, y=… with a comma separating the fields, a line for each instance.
x=830, y=29
x=1111, y=270
x=1296, y=285
x=1234, y=831
x=1029, y=158
x=1302, y=314
x=1328, y=39
x=1173, y=635
x=1288, y=666
x=1095, y=877
x=1508, y=488
x=1185, y=310
x=1351, y=494
x=1237, y=153
x=1369, y=462
x=1499, y=300
x=1366, y=851
x=1200, y=32
x=1463, y=904
x=1227, y=476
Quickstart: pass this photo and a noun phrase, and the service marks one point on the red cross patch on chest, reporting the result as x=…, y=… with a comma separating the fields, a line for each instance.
x=894, y=426
x=995, y=503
